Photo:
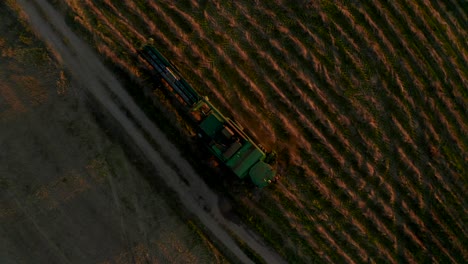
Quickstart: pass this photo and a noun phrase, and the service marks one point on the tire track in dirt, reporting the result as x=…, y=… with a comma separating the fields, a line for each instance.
x=52, y=245
x=88, y=70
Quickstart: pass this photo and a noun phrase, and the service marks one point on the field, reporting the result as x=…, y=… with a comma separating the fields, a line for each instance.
x=365, y=103
x=68, y=192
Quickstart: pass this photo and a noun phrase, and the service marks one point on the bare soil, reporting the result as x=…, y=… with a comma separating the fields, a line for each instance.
x=69, y=194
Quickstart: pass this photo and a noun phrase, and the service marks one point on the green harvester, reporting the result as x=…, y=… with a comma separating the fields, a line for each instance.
x=225, y=138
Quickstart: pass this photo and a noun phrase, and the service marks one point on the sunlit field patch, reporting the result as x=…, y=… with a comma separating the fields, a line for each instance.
x=365, y=104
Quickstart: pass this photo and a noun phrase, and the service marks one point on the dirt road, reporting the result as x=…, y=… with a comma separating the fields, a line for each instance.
x=68, y=192
x=100, y=82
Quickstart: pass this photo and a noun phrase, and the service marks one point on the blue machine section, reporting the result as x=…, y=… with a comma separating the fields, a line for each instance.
x=171, y=75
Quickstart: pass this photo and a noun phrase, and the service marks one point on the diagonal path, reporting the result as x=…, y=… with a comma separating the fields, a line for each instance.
x=92, y=74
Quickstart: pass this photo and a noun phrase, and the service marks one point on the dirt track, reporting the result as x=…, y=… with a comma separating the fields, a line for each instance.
x=91, y=74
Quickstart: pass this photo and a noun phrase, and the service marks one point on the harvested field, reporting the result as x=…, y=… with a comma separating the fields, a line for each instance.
x=366, y=104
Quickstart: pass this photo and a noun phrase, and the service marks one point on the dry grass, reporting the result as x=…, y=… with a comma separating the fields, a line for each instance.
x=366, y=104
x=10, y=98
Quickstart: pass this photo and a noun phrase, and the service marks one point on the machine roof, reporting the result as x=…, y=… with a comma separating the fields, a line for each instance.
x=261, y=174
x=244, y=159
x=211, y=124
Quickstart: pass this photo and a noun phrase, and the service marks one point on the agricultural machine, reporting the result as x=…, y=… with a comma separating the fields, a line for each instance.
x=225, y=138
